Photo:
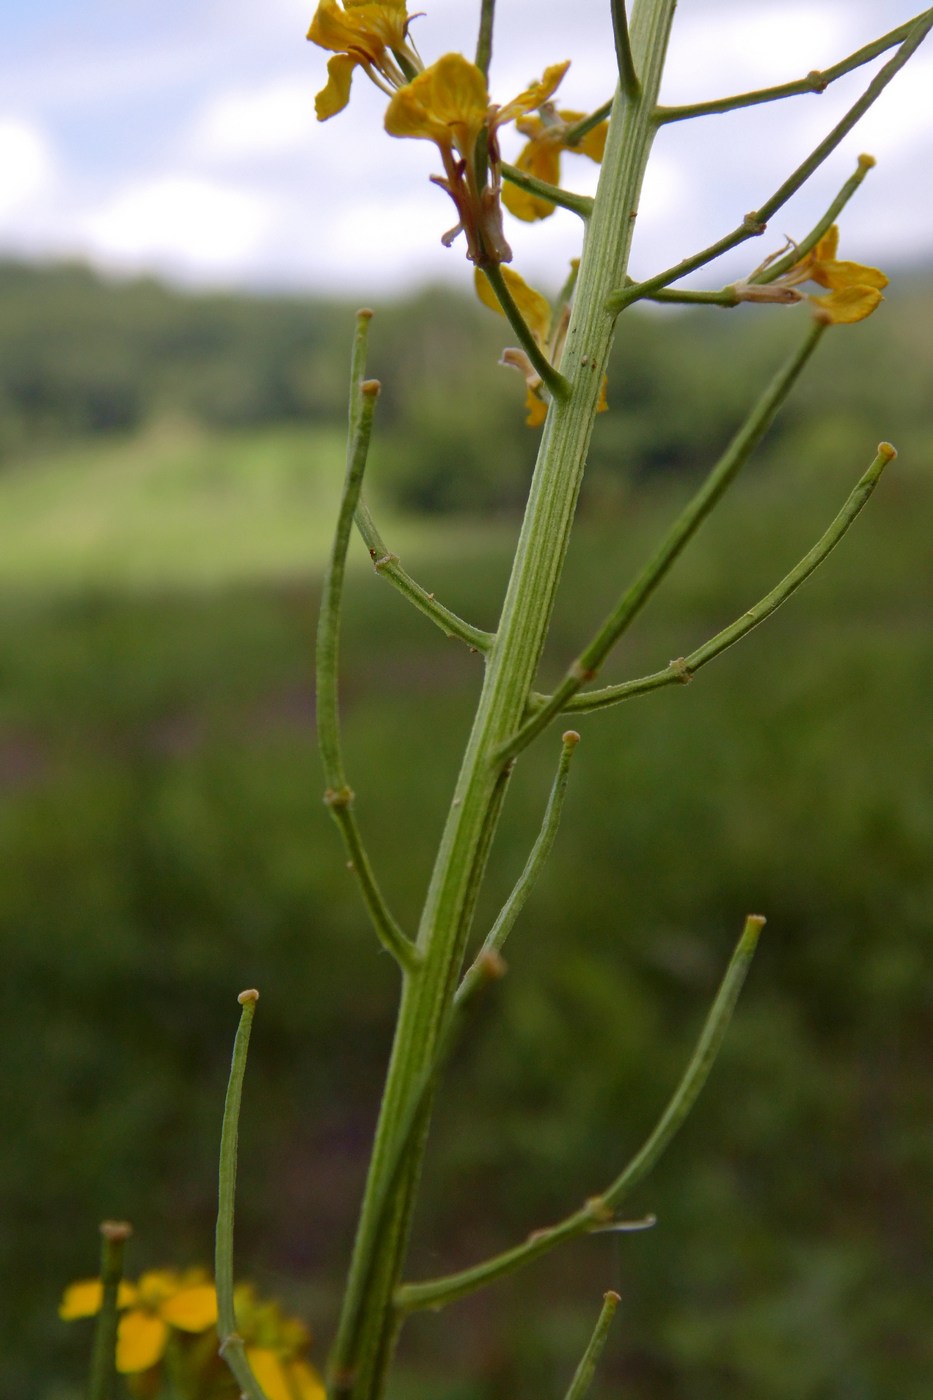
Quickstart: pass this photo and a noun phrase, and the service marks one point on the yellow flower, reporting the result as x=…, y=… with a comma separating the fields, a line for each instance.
x=449, y=104
x=84, y=1298
x=548, y=328
x=367, y=34
x=160, y=1301
x=540, y=156
x=854, y=289
x=275, y=1348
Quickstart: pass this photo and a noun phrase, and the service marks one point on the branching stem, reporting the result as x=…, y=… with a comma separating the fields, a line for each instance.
x=437, y=1293
x=555, y=382
x=685, y=668
x=367, y=1334
x=580, y=204
x=494, y=940
x=678, y=536
x=814, y=82
x=389, y=566
x=575, y=134
x=338, y=794
x=756, y=222
x=628, y=78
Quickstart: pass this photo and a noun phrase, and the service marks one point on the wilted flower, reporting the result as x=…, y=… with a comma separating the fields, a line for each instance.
x=854, y=289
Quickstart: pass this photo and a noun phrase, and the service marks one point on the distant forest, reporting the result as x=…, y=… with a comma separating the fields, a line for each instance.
x=82, y=356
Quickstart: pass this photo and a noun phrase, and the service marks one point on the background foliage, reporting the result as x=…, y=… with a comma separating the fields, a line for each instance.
x=167, y=488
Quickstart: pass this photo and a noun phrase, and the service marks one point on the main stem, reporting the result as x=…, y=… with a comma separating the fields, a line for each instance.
x=369, y=1322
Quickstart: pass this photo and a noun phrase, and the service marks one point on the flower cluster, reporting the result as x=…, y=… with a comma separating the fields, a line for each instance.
x=447, y=103
x=166, y=1309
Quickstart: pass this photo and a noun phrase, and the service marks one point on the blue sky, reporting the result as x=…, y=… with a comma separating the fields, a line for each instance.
x=179, y=138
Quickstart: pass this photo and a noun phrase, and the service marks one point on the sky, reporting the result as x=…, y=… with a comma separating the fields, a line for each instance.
x=178, y=137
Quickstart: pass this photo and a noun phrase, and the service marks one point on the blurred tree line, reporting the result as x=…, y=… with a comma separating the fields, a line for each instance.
x=80, y=355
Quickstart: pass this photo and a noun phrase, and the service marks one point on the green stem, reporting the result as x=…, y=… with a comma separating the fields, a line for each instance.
x=729, y=296
x=338, y=793
x=114, y=1234
x=678, y=536
x=575, y=134
x=387, y=564
x=683, y=670
x=801, y=249
x=552, y=378
x=628, y=78
x=726, y=297
x=484, y=38
x=586, y=1370
x=231, y=1343
x=756, y=222
x=369, y=1325
x=815, y=82
x=580, y=204
x=494, y=940
x=437, y=1293
x=490, y=969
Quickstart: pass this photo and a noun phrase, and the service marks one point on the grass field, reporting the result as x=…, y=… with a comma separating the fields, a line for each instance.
x=179, y=508
x=165, y=845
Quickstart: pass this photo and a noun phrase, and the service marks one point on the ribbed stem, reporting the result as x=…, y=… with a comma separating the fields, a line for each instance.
x=369, y=1322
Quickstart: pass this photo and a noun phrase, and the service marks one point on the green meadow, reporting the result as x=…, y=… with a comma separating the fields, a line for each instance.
x=163, y=845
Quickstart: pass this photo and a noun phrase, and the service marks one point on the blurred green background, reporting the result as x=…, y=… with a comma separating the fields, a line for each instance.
x=169, y=468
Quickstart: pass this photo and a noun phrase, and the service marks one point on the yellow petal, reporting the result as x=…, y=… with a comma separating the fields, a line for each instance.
x=533, y=96
x=336, y=94
x=269, y=1372
x=447, y=103
x=141, y=1339
x=535, y=410
x=825, y=250
x=541, y=159
x=849, y=304
x=305, y=1381
x=837, y=275
x=191, y=1309
x=83, y=1299
x=156, y=1285
x=364, y=28
x=593, y=144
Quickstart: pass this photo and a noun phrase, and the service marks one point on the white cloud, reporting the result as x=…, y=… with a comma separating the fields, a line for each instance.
x=27, y=166
x=180, y=224
x=753, y=47
x=266, y=121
